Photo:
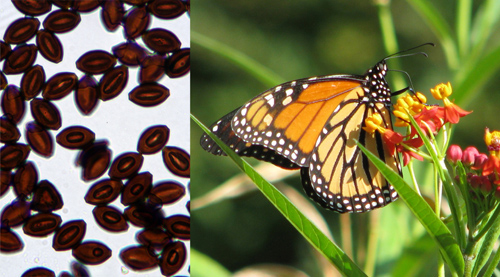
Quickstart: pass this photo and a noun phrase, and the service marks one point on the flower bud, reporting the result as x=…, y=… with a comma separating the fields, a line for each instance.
x=474, y=181
x=485, y=184
x=479, y=161
x=454, y=153
x=441, y=91
x=469, y=155
x=421, y=97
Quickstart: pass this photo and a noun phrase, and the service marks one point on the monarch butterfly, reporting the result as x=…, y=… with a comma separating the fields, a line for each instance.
x=312, y=124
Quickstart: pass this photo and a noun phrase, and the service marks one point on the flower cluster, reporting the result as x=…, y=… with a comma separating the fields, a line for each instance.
x=429, y=118
x=471, y=179
x=483, y=171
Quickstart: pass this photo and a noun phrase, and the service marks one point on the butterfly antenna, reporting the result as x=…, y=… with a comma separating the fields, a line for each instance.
x=398, y=54
x=409, y=88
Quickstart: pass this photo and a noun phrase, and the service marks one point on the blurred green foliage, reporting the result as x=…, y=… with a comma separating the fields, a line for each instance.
x=297, y=39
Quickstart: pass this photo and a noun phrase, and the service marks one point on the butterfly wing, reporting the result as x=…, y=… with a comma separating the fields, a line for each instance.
x=288, y=119
x=313, y=124
x=340, y=177
x=222, y=129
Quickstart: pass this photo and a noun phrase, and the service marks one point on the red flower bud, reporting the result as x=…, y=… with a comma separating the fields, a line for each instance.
x=485, y=183
x=474, y=181
x=454, y=153
x=469, y=155
x=479, y=161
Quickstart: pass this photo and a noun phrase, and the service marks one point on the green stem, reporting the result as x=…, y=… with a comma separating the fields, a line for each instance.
x=463, y=187
x=488, y=225
x=488, y=15
x=463, y=26
x=487, y=248
x=491, y=229
x=493, y=264
x=373, y=236
x=437, y=193
x=257, y=70
x=468, y=266
x=440, y=272
x=411, y=170
x=389, y=36
x=470, y=255
x=417, y=151
x=444, y=174
x=453, y=201
x=438, y=24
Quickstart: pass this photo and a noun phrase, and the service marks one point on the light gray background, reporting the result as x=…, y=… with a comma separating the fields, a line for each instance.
x=120, y=122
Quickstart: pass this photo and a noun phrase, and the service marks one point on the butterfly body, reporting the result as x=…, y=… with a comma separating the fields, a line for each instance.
x=312, y=124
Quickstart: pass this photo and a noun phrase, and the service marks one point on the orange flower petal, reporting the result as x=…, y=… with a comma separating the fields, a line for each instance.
x=453, y=113
x=492, y=165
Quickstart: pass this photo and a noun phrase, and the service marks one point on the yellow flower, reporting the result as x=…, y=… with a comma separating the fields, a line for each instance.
x=441, y=91
x=492, y=140
x=373, y=123
x=413, y=103
x=452, y=112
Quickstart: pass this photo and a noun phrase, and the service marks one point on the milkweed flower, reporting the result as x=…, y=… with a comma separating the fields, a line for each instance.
x=394, y=140
x=452, y=112
x=412, y=104
x=454, y=153
x=414, y=143
x=429, y=119
x=391, y=138
x=492, y=140
x=492, y=165
x=479, y=161
x=469, y=155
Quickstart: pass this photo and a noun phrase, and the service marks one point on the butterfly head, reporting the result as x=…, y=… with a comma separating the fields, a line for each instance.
x=375, y=85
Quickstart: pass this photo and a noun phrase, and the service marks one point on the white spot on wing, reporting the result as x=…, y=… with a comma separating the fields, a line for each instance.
x=271, y=102
x=268, y=119
x=287, y=100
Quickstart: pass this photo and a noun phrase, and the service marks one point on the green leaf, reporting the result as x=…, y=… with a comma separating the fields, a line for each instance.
x=312, y=234
x=487, y=15
x=489, y=241
x=441, y=168
x=204, y=266
x=424, y=213
x=438, y=24
x=494, y=263
x=390, y=40
x=260, y=72
x=462, y=21
x=462, y=184
x=474, y=76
